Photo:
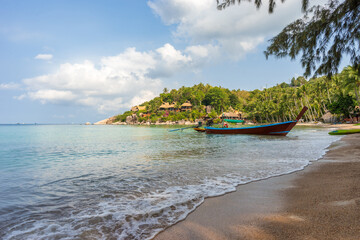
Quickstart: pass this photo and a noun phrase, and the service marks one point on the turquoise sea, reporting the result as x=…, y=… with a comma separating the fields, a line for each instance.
x=130, y=182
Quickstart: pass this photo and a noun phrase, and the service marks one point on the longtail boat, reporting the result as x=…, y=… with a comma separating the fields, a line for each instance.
x=199, y=129
x=280, y=129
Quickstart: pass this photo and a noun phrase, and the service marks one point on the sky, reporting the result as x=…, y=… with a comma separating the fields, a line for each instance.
x=86, y=60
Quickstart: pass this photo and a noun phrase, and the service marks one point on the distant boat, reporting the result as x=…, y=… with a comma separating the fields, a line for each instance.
x=279, y=129
x=199, y=129
x=344, y=131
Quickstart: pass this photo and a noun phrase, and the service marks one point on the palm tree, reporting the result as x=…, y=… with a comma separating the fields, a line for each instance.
x=352, y=80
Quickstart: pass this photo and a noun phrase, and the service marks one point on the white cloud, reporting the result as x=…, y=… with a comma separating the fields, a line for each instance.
x=198, y=51
x=51, y=95
x=21, y=97
x=116, y=82
x=8, y=86
x=236, y=30
x=168, y=61
x=132, y=77
x=44, y=57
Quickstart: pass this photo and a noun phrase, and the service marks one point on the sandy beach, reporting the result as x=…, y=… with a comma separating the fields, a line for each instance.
x=320, y=202
x=328, y=125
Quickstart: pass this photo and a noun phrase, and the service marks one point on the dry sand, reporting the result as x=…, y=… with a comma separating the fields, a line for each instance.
x=320, y=202
x=327, y=125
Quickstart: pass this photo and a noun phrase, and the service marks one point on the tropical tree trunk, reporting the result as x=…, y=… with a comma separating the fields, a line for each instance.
x=327, y=89
x=292, y=115
x=357, y=95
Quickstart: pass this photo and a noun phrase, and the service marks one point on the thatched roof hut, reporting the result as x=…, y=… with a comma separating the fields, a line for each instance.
x=186, y=106
x=167, y=106
x=328, y=117
x=164, y=106
x=231, y=114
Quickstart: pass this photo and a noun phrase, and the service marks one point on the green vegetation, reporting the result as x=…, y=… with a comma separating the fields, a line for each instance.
x=343, y=104
x=122, y=117
x=321, y=38
x=339, y=95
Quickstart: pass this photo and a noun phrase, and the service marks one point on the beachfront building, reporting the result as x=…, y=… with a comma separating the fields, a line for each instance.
x=168, y=107
x=231, y=114
x=172, y=107
x=164, y=107
x=328, y=117
x=186, y=106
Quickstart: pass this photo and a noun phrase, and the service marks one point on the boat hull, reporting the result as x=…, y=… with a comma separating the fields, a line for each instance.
x=279, y=129
x=199, y=129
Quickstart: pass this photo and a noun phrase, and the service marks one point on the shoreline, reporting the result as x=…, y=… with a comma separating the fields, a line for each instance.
x=187, y=123
x=289, y=206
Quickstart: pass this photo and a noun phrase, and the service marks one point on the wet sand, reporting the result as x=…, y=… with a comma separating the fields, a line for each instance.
x=328, y=125
x=320, y=202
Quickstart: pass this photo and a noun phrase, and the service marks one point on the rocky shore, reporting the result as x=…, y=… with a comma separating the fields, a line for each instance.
x=133, y=120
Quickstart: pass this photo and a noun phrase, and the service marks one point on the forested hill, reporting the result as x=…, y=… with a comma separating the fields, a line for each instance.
x=340, y=95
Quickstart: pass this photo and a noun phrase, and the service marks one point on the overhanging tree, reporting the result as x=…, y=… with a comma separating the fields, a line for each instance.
x=322, y=37
x=272, y=3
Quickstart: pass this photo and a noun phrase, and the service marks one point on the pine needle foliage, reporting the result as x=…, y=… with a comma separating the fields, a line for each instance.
x=321, y=38
x=272, y=3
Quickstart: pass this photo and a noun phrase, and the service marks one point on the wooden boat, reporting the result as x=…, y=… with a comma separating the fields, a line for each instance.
x=280, y=129
x=344, y=131
x=199, y=129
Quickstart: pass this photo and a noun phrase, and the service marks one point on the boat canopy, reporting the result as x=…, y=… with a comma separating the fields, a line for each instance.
x=233, y=120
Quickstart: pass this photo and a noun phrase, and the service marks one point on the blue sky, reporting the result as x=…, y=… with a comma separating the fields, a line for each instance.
x=78, y=61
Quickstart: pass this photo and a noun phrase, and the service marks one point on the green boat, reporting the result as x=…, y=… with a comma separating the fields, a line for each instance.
x=344, y=131
x=233, y=121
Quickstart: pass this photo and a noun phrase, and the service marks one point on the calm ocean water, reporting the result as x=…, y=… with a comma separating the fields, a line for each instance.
x=129, y=182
